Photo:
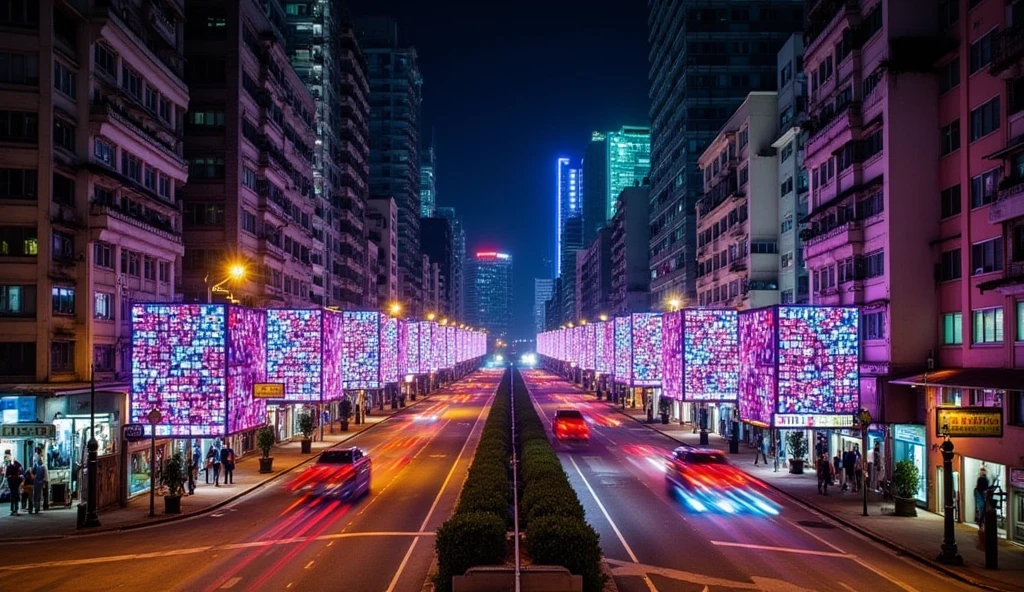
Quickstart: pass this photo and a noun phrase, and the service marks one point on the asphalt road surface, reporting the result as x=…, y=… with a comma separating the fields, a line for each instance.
x=654, y=541
x=279, y=539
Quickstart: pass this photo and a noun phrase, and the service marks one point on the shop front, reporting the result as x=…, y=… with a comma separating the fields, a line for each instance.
x=72, y=419
x=140, y=464
x=909, y=441
x=1015, y=499
x=23, y=437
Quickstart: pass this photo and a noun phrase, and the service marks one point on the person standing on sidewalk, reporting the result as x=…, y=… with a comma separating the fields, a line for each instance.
x=824, y=474
x=27, y=493
x=210, y=454
x=759, y=453
x=14, y=477
x=42, y=479
x=217, y=449
x=227, y=459
x=858, y=470
x=980, y=488
x=849, y=460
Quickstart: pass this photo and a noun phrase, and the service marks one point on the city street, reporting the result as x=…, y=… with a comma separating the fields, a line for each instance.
x=276, y=538
x=654, y=542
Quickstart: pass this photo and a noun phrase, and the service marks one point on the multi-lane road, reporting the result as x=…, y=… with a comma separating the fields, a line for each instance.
x=653, y=541
x=280, y=539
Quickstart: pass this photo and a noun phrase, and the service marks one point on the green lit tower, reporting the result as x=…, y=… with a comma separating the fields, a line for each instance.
x=629, y=161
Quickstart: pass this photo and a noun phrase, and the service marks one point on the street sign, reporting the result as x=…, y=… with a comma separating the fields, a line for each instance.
x=268, y=390
x=154, y=416
x=25, y=431
x=969, y=422
x=133, y=432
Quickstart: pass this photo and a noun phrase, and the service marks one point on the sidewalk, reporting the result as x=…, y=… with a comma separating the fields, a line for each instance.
x=62, y=522
x=919, y=538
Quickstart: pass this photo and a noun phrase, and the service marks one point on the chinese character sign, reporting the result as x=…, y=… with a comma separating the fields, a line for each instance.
x=710, y=355
x=361, y=359
x=294, y=355
x=672, y=355
x=757, y=365
x=623, y=350
x=646, y=349
x=333, y=347
x=388, y=350
x=179, y=366
x=247, y=365
x=818, y=351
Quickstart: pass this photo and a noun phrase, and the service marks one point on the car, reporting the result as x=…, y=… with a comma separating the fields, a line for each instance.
x=697, y=469
x=705, y=482
x=343, y=473
x=570, y=427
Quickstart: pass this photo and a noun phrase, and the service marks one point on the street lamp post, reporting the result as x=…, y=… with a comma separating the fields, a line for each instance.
x=154, y=418
x=949, y=554
x=91, y=519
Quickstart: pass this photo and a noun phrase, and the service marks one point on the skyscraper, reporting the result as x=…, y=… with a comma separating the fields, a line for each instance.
x=629, y=162
x=489, y=293
x=595, y=186
x=428, y=191
x=394, y=142
x=543, y=290
x=458, y=290
x=436, y=242
x=567, y=205
x=691, y=99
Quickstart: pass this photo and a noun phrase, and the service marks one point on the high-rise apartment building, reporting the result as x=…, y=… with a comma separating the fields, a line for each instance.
x=489, y=294
x=595, y=186
x=572, y=243
x=594, y=277
x=92, y=104
x=249, y=142
x=382, y=230
x=738, y=217
x=428, y=186
x=543, y=290
x=729, y=50
x=436, y=243
x=568, y=204
x=323, y=50
x=457, y=288
x=630, y=288
x=395, y=83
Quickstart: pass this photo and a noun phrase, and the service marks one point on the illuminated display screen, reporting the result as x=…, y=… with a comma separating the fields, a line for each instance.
x=757, y=365
x=623, y=349
x=294, y=355
x=179, y=366
x=605, y=354
x=449, y=346
x=818, y=351
x=710, y=346
x=589, y=345
x=408, y=347
x=646, y=349
x=389, y=350
x=672, y=355
x=334, y=345
x=437, y=343
x=425, y=358
x=361, y=359
x=247, y=365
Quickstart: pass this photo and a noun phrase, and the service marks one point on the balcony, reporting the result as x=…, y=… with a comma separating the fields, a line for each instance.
x=103, y=110
x=1007, y=52
x=830, y=124
x=848, y=232
x=738, y=265
x=1010, y=202
x=821, y=14
x=725, y=189
x=267, y=246
x=1012, y=282
x=99, y=215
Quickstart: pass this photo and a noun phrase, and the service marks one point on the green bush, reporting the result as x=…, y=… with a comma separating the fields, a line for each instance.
x=569, y=542
x=467, y=540
x=557, y=503
x=905, y=479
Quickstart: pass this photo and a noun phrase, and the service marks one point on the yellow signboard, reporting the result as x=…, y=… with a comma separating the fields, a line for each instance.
x=268, y=390
x=969, y=422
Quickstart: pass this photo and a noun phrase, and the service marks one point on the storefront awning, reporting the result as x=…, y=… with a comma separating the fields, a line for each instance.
x=968, y=378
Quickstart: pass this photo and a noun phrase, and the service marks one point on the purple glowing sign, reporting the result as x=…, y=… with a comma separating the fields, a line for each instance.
x=672, y=355
x=247, y=365
x=605, y=348
x=437, y=347
x=294, y=353
x=589, y=344
x=818, y=352
x=757, y=380
x=334, y=343
x=179, y=366
x=389, y=350
x=646, y=349
x=623, y=349
x=361, y=357
x=710, y=346
x=426, y=359
x=409, y=339
x=449, y=347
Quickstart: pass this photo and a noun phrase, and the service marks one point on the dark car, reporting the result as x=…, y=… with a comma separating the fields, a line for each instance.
x=570, y=427
x=342, y=473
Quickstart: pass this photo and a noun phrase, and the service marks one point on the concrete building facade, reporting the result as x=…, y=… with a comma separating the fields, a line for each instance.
x=489, y=294
x=594, y=277
x=630, y=281
x=382, y=230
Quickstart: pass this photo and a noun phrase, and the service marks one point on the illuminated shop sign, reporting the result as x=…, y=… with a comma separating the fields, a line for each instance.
x=969, y=422
x=810, y=420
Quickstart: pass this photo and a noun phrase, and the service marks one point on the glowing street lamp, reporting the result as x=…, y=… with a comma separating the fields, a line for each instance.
x=431, y=316
x=236, y=272
x=603, y=318
x=395, y=308
x=674, y=304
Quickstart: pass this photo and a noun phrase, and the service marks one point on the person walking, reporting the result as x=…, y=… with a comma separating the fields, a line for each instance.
x=980, y=487
x=13, y=473
x=217, y=465
x=849, y=460
x=27, y=487
x=227, y=458
x=824, y=474
x=42, y=479
x=858, y=471
x=210, y=454
x=759, y=453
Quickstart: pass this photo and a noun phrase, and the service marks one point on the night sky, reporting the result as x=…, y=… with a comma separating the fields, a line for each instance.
x=508, y=88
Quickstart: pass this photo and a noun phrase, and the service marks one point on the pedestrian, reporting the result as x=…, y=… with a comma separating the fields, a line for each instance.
x=980, y=487
x=759, y=452
x=197, y=458
x=837, y=469
x=42, y=479
x=191, y=475
x=849, y=460
x=824, y=474
x=27, y=493
x=875, y=468
x=210, y=454
x=13, y=473
x=217, y=447
x=858, y=472
x=227, y=457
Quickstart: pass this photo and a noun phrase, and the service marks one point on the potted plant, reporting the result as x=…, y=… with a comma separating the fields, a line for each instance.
x=265, y=440
x=346, y=412
x=306, y=426
x=904, y=484
x=797, y=445
x=664, y=408
x=173, y=478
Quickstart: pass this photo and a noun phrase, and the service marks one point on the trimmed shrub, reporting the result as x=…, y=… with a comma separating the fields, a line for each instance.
x=569, y=542
x=467, y=540
x=562, y=502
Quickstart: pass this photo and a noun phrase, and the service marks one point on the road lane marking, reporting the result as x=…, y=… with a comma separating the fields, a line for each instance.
x=230, y=583
x=309, y=565
x=781, y=549
x=437, y=499
x=759, y=583
x=847, y=586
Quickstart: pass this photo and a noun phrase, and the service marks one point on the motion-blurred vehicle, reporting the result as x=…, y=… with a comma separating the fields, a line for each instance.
x=342, y=473
x=706, y=481
x=694, y=468
x=570, y=427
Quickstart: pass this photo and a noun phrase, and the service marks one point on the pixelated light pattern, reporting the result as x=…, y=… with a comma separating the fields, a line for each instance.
x=247, y=365
x=409, y=347
x=818, y=352
x=179, y=366
x=426, y=358
x=388, y=350
x=672, y=355
x=294, y=353
x=623, y=349
x=437, y=347
x=710, y=345
x=605, y=346
x=646, y=354
x=757, y=381
x=361, y=358
x=333, y=331
x=589, y=347
x=449, y=347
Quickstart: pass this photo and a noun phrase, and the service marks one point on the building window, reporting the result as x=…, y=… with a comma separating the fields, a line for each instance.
x=1015, y=407
x=165, y=109
x=248, y=221
x=151, y=99
x=63, y=301
x=949, y=75
x=874, y=325
x=199, y=214
x=149, y=177
x=19, y=126
x=131, y=166
x=988, y=325
x=130, y=263
x=63, y=190
x=106, y=59
x=103, y=255
x=18, y=301
x=952, y=328
x=149, y=268
x=18, y=241
x=948, y=12
x=950, y=136
x=787, y=260
x=164, y=188
x=950, y=201
x=63, y=80
x=103, y=357
x=248, y=178
x=131, y=82
x=981, y=51
x=206, y=167
x=104, y=152
x=64, y=135
x=63, y=246
x=949, y=267
x=18, y=184
x=985, y=119
x=206, y=118
x=103, y=306
x=786, y=187
x=1020, y=320
x=874, y=264
x=19, y=68
x=17, y=358
x=984, y=188
x=987, y=256
x=165, y=272
x=744, y=137
x=62, y=356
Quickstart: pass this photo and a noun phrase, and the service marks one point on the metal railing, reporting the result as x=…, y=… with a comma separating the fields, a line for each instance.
x=515, y=473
